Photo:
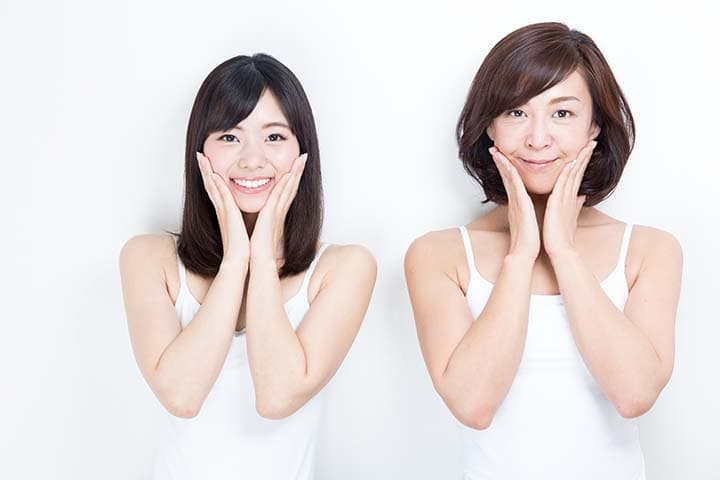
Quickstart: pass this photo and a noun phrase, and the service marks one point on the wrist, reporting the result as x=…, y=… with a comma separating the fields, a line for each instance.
x=263, y=262
x=564, y=254
x=519, y=260
x=234, y=265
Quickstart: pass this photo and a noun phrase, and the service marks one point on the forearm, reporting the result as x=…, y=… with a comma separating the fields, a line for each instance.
x=277, y=360
x=189, y=366
x=620, y=357
x=482, y=367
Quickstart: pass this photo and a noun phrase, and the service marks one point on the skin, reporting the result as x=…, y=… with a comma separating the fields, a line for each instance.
x=545, y=242
x=288, y=366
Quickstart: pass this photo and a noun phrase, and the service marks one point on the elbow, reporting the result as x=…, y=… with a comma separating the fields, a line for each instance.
x=634, y=406
x=177, y=403
x=475, y=416
x=274, y=407
x=477, y=421
x=182, y=408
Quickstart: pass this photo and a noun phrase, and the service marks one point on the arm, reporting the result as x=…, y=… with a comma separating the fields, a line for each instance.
x=630, y=354
x=180, y=366
x=289, y=367
x=472, y=363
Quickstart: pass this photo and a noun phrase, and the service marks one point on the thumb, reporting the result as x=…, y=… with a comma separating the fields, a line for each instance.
x=580, y=202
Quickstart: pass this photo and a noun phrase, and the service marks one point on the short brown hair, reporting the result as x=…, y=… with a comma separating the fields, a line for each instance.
x=525, y=63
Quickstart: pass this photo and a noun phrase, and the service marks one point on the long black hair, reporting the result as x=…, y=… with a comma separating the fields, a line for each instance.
x=227, y=96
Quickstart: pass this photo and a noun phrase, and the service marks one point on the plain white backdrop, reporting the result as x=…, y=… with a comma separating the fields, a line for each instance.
x=95, y=101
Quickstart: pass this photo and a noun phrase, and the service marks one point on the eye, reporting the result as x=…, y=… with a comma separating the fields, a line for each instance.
x=563, y=114
x=275, y=137
x=515, y=113
x=227, y=137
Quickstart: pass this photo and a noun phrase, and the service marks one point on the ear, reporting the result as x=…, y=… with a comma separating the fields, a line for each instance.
x=490, y=132
x=594, y=131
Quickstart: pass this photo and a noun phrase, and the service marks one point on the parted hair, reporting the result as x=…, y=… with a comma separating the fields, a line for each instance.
x=525, y=63
x=226, y=97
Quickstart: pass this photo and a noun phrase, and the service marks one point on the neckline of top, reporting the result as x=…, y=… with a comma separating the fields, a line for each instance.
x=557, y=297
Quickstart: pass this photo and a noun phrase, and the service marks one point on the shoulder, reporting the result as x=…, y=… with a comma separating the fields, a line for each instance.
x=147, y=251
x=653, y=243
x=439, y=247
x=347, y=257
x=343, y=264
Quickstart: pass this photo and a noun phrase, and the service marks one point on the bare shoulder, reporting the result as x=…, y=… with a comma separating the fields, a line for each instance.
x=342, y=262
x=439, y=251
x=655, y=243
x=147, y=251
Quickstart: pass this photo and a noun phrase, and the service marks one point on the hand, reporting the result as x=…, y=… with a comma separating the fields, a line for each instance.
x=267, y=238
x=236, y=247
x=524, y=232
x=564, y=205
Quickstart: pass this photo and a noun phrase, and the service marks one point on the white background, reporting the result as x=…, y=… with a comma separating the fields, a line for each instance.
x=95, y=101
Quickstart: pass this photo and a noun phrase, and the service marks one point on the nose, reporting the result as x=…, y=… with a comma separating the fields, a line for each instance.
x=252, y=156
x=538, y=135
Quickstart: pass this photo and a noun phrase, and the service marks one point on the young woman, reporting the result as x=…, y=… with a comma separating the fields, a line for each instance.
x=238, y=323
x=546, y=325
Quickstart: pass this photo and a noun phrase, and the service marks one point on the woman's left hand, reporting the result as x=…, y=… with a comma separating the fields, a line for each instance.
x=266, y=242
x=564, y=205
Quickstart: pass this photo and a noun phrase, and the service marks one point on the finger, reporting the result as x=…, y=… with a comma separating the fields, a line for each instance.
x=276, y=192
x=561, y=182
x=289, y=194
x=208, y=182
x=584, y=159
x=579, y=203
x=502, y=165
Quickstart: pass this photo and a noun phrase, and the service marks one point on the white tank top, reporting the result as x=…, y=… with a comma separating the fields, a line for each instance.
x=555, y=422
x=228, y=439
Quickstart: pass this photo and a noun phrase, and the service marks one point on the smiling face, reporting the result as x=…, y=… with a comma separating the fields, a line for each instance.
x=545, y=133
x=255, y=154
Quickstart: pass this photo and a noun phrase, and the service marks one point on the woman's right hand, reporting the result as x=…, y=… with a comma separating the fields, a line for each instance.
x=236, y=245
x=524, y=231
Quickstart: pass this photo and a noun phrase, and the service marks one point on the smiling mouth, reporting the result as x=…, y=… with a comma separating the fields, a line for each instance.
x=538, y=162
x=252, y=183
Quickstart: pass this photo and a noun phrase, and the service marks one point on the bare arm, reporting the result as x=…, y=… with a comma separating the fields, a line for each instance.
x=180, y=365
x=630, y=354
x=472, y=363
x=289, y=367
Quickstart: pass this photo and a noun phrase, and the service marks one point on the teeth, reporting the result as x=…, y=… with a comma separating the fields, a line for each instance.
x=251, y=183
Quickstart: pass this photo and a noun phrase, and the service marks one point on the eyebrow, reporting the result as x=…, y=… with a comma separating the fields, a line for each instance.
x=267, y=125
x=563, y=99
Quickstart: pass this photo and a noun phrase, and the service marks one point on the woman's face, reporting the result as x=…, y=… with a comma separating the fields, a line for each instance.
x=252, y=156
x=547, y=132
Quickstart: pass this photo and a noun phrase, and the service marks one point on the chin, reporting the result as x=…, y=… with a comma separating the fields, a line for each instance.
x=537, y=186
x=251, y=206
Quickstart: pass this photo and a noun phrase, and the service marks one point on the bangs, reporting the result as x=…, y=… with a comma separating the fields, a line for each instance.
x=234, y=98
x=531, y=71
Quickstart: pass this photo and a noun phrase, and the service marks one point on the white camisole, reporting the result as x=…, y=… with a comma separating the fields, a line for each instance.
x=228, y=439
x=555, y=422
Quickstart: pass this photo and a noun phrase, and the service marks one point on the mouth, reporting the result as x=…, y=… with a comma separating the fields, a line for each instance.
x=537, y=164
x=252, y=185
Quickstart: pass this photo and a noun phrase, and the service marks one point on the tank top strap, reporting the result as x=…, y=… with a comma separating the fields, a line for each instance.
x=622, y=259
x=311, y=268
x=468, y=249
x=181, y=267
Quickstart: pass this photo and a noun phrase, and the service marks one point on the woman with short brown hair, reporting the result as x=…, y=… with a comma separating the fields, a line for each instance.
x=546, y=325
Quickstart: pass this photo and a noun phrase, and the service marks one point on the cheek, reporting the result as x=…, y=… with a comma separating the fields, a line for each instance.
x=220, y=155
x=283, y=156
x=573, y=140
x=507, y=138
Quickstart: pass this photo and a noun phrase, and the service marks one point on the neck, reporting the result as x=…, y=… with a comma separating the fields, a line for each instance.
x=249, y=219
x=539, y=204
